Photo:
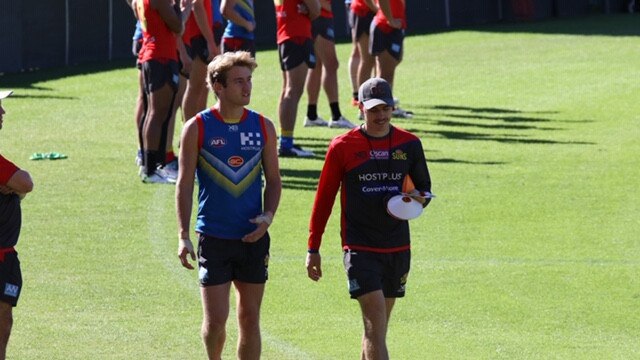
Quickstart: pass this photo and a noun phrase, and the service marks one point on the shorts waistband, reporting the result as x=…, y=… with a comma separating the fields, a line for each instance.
x=4, y=251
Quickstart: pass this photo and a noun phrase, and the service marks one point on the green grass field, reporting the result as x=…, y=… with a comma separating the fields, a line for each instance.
x=530, y=251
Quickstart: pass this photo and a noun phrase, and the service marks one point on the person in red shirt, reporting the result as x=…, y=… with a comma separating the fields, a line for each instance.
x=161, y=21
x=325, y=72
x=14, y=185
x=362, y=13
x=369, y=164
x=295, y=48
x=201, y=47
x=386, y=42
x=354, y=57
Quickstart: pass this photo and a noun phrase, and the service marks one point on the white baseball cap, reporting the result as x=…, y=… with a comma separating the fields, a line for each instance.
x=4, y=94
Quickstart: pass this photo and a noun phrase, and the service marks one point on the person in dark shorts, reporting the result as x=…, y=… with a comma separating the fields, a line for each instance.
x=201, y=46
x=354, y=57
x=295, y=48
x=241, y=24
x=218, y=22
x=14, y=185
x=325, y=73
x=229, y=148
x=161, y=21
x=369, y=164
x=386, y=38
x=362, y=13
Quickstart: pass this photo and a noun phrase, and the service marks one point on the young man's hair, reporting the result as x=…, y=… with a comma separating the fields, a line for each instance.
x=221, y=64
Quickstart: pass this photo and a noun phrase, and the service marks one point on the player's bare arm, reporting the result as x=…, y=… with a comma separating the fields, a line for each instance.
x=20, y=183
x=372, y=5
x=184, y=189
x=200, y=14
x=313, y=8
x=168, y=15
x=185, y=59
x=273, y=185
x=385, y=6
x=228, y=10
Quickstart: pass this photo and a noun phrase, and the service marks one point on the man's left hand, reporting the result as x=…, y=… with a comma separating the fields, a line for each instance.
x=263, y=221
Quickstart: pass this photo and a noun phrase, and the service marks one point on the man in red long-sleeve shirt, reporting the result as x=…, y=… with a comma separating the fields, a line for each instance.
x=14, y=185
x=369, y=164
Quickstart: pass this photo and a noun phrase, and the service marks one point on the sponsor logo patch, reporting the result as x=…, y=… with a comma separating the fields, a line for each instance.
x=250, y=139
x=403, y=283
x=330, y=33
x=203, y=274
x=379, y=154
x=235, y=161
x=218, y=142
x=11, y=290
x=399, y=155
x=353, y=285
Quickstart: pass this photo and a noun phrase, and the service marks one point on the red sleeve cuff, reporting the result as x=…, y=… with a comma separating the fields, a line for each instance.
x=7, y=169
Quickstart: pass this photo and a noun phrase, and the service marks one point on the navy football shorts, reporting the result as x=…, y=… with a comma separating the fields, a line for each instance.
x=369, y=271
x=224, y=260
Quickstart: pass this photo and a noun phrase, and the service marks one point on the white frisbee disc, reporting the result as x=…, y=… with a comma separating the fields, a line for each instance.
x=403, y=207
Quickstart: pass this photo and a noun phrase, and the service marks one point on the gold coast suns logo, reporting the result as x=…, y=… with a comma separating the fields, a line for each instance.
x=235, y=161
x=403, y=279
x=399, y=155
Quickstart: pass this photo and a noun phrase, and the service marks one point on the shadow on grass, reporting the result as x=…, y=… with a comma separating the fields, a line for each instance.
x=517, y=123
x=595, y=24
x=29, y=80
x=459, y=135
x=491, y=126
x=479, y=110
x=465, y=162
x=300, y=179
x=43, y=96
x=591, y=25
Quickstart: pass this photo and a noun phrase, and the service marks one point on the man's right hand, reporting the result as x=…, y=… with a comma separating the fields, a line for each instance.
x=186, y=248
x=395, y=23
x=314, y=269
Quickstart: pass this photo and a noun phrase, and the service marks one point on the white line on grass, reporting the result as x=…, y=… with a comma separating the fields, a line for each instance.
x=157, y=238
x=526, y=262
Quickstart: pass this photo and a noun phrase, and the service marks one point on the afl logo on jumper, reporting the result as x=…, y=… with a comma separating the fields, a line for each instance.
x=235, y=161
x=218, y=142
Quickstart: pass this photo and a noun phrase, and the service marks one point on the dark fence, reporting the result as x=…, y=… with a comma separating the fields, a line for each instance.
x=38, y=34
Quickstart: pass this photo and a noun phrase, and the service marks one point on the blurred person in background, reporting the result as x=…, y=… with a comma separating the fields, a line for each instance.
x=295, y=48
x=201, y=47
x=386, y=43
x=241, y=24
x=161, y=21
x=325, y=73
